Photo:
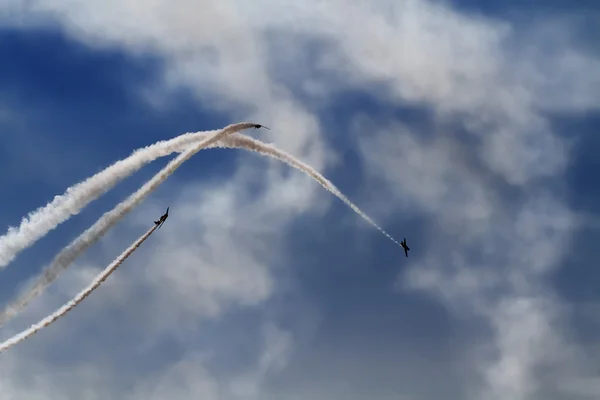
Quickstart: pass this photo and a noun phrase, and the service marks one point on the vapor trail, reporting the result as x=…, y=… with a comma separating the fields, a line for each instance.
x=41, y=221
x=107, y=221
x=257, y=146
x=33, y=329
x=44, y=219
x=233, y=141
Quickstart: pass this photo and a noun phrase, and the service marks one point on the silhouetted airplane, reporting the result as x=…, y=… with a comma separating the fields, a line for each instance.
x=406, y=248
x=256, y=126
x=162, y=219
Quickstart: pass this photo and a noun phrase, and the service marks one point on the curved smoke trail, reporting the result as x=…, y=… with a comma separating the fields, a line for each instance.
x=107, y=221
x=41, y=221
x=257, y=146
x=90, y=236
x=33, y=329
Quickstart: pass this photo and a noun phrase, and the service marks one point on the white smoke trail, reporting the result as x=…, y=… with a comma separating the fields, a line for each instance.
x=257, y=146
x=33, y=329
x=107, y=221
x=90, y=236
x=234, y=141
x=44, y=219
x=41, y=221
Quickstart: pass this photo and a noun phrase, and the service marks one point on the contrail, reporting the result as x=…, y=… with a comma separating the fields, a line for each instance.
x=41, y=221
x=234, y=141
x=80, y=296
x=107, y=221
x=257, y=146
x=44, y=219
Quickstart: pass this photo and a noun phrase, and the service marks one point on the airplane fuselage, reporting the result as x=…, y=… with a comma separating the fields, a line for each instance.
x=405, y=247
x=162, y=218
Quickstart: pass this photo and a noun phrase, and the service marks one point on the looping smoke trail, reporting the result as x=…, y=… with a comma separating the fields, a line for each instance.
x=70, y=253
x=234, y=141
x=33, y=329
x=107, y=221
x=44, y=219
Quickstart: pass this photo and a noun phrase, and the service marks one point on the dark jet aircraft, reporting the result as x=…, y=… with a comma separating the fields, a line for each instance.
x=406, y=248
x=256, y=126
x=162, y=219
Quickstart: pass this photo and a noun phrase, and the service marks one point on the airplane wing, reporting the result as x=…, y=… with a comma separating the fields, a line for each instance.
x=406, y=252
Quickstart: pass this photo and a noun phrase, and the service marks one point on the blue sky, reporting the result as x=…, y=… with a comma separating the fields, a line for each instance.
x=467, y=127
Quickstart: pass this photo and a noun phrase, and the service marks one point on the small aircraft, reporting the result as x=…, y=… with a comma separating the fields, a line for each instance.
x=256, y=126
x=162, y=219
x=406, y=248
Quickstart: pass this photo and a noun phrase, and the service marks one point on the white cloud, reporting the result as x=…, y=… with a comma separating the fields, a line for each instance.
x=489, y=252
